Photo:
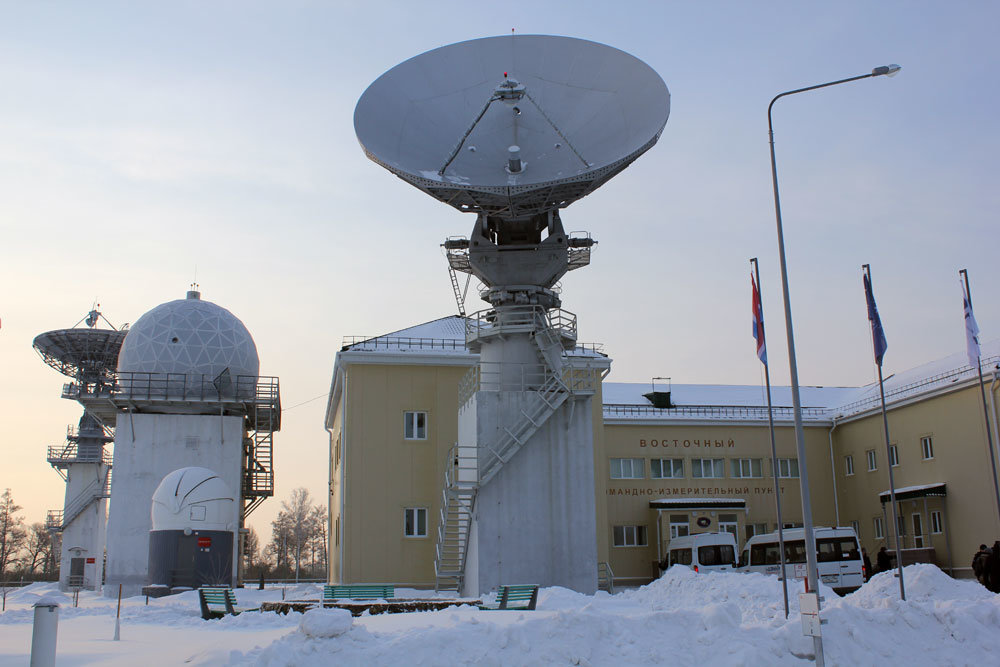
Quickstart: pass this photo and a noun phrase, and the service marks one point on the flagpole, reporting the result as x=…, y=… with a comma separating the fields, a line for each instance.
x=986, y=413
x=774, y=453
x=870, y=298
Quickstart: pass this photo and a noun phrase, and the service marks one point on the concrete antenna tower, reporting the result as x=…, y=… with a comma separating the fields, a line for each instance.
x=89, y=356
x=514, y=129
x=187, y=394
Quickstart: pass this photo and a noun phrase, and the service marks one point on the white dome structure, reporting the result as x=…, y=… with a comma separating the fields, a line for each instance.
x=193, y=498
x=189, y=337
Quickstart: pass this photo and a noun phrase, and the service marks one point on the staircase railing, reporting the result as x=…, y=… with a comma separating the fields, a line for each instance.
x=605, y=577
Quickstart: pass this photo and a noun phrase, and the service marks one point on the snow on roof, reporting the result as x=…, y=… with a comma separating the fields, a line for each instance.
x=625, y=400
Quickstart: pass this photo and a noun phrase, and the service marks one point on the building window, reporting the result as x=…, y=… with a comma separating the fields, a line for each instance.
x=336, y=533
x=666, y=468
x=679, y=526
x=745, y=467
x=415, y=522
x=791, y=524
x=927, y=447
x=788, y=467
x=336, y=454
x=627, y=469
x=936, y=525
x=872, y=461
x=893, y=456
x=630, y=536
x=415, y=425
x=728, y=523
x=879, y=529
x=707, y=468
x=848, y=465
x=856, y=527
x=752, y=529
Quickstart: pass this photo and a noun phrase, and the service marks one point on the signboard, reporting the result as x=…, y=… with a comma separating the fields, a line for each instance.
x=91, y=560
x=809, y=610
x=800, y=570
x=204, y=541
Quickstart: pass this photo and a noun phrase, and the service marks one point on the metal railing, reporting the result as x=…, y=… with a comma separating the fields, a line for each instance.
x=191, y=387
x=899, y=392
x=368, y=343
x=753, y=412
x=605, y=577
x=70, y=453
x=526, y=318
x=504, y=376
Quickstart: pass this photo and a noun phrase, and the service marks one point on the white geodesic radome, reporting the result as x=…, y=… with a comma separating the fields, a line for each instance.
x=189, y=337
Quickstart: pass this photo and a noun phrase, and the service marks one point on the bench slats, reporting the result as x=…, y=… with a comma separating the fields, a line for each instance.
x=524, y=593
x=358, y=592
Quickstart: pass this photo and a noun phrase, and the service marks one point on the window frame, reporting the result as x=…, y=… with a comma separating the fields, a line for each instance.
x=894, y=456
x=848, y=465
x=701, y=468
x=872, y=456
x=632, y=460
x=415, y=429
x=416, y=522
x=937, y=522
x=789, y=461
x=879, y=527
x=675, y=464
x=637, y=530
x=927, y=447
x=736, y=468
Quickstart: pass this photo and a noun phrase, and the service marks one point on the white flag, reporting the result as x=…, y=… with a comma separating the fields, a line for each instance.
x=971, y=332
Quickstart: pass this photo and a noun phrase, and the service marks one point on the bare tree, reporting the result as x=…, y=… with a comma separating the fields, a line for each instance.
x=12, y=532
x=38, y=546
x=251, y=550
x=296, y=526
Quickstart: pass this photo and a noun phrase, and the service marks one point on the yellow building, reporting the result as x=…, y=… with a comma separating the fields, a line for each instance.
x=702, y=464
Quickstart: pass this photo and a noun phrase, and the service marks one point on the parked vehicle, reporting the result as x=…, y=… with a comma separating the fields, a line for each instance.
x=838, y=556
x=703, y=552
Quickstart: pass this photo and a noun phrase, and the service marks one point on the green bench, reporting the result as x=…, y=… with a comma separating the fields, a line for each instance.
x=214, y=596
x=515, y=597
x=332, y=593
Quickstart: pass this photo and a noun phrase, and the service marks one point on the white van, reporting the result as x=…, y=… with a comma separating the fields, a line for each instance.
x=702, y=552
x=838, y=556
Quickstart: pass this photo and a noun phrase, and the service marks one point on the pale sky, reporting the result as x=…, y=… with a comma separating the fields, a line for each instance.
x=145, y=145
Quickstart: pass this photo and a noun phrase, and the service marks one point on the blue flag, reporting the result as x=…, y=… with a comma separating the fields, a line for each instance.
x=878, y=335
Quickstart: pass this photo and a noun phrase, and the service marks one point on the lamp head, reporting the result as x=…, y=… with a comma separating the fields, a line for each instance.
x=887, y=70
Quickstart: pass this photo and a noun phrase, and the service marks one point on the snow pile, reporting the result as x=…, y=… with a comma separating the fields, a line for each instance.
x=326, y=622
x=684, y=618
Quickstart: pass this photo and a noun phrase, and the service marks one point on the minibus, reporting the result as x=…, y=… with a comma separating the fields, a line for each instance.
x=838, y=556
x=702, y=552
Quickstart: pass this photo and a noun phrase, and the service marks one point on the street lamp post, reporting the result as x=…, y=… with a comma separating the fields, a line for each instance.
x=807, y=523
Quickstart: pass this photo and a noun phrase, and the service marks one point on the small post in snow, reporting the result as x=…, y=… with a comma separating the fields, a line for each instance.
x=118, y=625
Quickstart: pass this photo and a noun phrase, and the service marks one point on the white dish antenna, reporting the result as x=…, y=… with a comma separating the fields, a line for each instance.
x=512, y=126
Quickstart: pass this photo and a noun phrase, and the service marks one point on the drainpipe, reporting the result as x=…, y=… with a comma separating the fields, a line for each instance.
x=833, y=472
x=993, y=403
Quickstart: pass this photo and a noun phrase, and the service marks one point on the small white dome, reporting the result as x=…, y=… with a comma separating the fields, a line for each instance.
x=194, y=498
x=189, y=337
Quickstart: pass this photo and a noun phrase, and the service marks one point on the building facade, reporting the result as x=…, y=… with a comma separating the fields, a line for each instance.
x=702, y=464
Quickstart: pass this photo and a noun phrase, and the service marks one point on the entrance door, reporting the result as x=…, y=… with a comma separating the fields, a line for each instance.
x=76, y=572
x=729, y=523
x=918, y=531
x=184, y=574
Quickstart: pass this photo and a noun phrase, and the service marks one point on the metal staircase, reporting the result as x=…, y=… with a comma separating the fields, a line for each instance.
x=552, y=332
x=58, y=520
x=458, y=502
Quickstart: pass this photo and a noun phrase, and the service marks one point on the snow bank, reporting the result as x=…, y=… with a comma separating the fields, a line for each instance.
x=321, y=623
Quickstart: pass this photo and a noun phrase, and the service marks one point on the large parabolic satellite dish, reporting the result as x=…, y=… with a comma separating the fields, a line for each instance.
x=512, y=126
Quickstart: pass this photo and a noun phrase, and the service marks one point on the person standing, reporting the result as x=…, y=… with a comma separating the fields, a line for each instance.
x=993, y=568
x=979, y=565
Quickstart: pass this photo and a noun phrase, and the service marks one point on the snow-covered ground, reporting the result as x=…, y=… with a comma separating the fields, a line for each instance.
x=682, y=619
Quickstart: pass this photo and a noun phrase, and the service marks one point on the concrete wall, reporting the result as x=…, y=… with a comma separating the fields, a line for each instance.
x=147, y=448
x=535, y=520
x=84, y=537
